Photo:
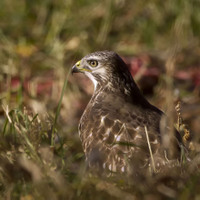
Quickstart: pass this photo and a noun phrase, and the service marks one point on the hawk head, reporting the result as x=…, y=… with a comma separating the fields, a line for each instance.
x=105, y=68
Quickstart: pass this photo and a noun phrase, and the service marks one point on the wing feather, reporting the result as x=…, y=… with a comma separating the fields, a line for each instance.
x=112, y=133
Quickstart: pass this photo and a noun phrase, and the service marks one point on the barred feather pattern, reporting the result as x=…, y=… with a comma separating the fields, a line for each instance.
x=112, y=126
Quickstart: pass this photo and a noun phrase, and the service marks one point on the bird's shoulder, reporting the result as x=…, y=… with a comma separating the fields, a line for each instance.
x=117, y=126
x=110, y=110
x=117, y=107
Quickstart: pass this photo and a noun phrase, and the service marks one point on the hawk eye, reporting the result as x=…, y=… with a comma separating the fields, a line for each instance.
x=93, y=63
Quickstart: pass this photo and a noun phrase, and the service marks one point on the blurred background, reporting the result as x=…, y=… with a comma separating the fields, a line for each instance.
x=41, y=40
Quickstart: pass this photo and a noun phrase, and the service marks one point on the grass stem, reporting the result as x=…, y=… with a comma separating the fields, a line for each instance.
x=151, y=154
x=58, y=109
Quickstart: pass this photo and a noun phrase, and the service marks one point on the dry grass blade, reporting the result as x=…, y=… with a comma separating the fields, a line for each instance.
x=6, y=110
x=150, y=151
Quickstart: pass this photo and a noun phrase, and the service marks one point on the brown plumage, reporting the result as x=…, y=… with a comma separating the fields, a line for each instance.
x=112, y=126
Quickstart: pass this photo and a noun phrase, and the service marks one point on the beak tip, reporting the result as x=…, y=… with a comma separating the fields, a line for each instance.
x=74, y=69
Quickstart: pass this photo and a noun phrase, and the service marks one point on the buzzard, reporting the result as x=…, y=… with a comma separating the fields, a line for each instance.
x=119, y=127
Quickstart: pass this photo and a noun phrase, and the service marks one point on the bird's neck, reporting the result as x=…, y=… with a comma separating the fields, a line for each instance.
x=126, y=88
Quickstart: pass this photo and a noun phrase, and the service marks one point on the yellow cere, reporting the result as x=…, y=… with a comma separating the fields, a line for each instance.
x=81, y=69
x=78, y=63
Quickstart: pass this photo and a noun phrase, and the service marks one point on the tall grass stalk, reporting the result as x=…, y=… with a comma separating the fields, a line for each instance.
x=58, y=109
x=151, y=154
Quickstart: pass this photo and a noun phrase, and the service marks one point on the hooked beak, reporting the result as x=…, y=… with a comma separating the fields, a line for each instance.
x=77, y=68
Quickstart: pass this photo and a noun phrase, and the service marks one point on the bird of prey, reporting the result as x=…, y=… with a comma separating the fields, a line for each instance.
x=118, y=121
